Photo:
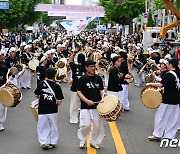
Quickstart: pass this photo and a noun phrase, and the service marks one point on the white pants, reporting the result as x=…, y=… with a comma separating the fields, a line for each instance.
x=119, y=95
x=166, y=121
x=47, y=129
x=3, y=113
x=74, y=107
x=137, y=77
x=125, y=96
x=86, y=117
x=106, y=78
x=25, y=79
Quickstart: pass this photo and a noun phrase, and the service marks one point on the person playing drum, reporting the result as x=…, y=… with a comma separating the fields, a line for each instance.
x=167, y=115
x=50, y=97
x=3, y=78
x=124, y=72
x=25, y=79
x=114, y=83
x=90, y=87
x=41, y=69
x=77, y=71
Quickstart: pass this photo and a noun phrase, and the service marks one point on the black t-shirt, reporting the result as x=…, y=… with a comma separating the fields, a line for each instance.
x=77, y=72
x=26, y=57
x=47, y=101
x=50, y=64
x=124, y=69
x=163, y=73
x=3, y=63
x=3, y=73
x=114, y=83
x=7, y=44
x=10, y=62
x=91, y=87
x=41, y=73
x=171, y=93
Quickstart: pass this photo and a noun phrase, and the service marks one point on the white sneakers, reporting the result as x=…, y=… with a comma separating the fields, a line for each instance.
x=1, y=127
x=154, y=138
x=94, y=146
x=81, y=145
x=138, y=85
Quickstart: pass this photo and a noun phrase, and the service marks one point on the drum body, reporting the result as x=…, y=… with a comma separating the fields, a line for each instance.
x=19, y=67
x=34, y=108
x=151, y=97
x=10, y=95
x=129, y=79
x=110, y=108
x=35, y=111
x=150, y=78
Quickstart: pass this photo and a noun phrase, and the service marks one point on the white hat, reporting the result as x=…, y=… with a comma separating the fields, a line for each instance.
x=113, y=55
x=43, y=58
x=130, y=45
x=106, y=45
x=168, y=56
x=117, y=48
x=163, y=61
x=105, y=39
x=139, y=45
x=149, y=49
x=124, y=42
x=63, y=45
x=49, y=52
x=53, y=51
x=122, y=50
x=152, y=51
x=35, y=41
x=138, y=48
x=23, y=44
x=26, y=47
x=99, y=42
x=12, y=49
x=58, y=46
x=2, y=52
x=30, y=41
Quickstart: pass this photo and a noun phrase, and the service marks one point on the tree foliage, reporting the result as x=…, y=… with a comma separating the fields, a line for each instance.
x=20, y=12
x=159, y=4
x=150, y=22
x=122, y=13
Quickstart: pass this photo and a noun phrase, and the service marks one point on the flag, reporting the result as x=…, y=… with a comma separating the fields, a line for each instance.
x=83, y=25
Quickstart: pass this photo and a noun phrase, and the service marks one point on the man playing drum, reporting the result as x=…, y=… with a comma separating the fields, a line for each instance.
x=90, y=87
x=50, y=97
x=167, y=115
x=77, y=71
x=3, y=78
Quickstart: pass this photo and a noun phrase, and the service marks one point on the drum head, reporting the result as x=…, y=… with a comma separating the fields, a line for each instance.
x=107, y=104
x=151, y=98
x=6, y=98
x=33, y=64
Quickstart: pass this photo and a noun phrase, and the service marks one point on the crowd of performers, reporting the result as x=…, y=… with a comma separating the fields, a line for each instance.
x=94, y=65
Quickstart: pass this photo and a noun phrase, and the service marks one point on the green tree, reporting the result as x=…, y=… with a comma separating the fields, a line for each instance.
x=150, y=22
x=20, y=12
x=122, y=13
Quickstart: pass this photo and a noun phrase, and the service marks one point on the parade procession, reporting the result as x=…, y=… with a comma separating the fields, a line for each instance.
x=89, y=76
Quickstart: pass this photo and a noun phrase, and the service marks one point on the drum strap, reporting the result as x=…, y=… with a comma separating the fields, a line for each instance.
x=177, y=79
x=50, y=88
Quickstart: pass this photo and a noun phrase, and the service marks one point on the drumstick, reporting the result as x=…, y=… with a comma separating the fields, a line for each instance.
x=99, y=102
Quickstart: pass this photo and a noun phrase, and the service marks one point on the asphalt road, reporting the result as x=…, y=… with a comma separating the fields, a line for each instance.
x=20, y=137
